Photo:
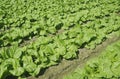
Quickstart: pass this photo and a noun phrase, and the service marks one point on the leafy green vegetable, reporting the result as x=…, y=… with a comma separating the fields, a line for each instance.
x=38, y=34
x=107, y=65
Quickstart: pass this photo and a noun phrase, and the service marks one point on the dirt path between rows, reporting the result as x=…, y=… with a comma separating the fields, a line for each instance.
x=67, y=66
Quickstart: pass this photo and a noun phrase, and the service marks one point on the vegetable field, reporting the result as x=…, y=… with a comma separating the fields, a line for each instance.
x=106, y=66
x=38, y=34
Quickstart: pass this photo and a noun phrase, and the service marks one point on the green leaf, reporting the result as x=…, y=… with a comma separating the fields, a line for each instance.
x=70, y=55
x=17, y=72
x=17, y=53
x=61, y=50
x=116, y=68
x=3, y=70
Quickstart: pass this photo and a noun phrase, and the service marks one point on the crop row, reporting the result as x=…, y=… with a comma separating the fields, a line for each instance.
x=84, y=24
x=106, y=66
x=20, y=20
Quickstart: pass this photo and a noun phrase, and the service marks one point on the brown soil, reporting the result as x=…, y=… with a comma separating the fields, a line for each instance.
x=67, y=66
